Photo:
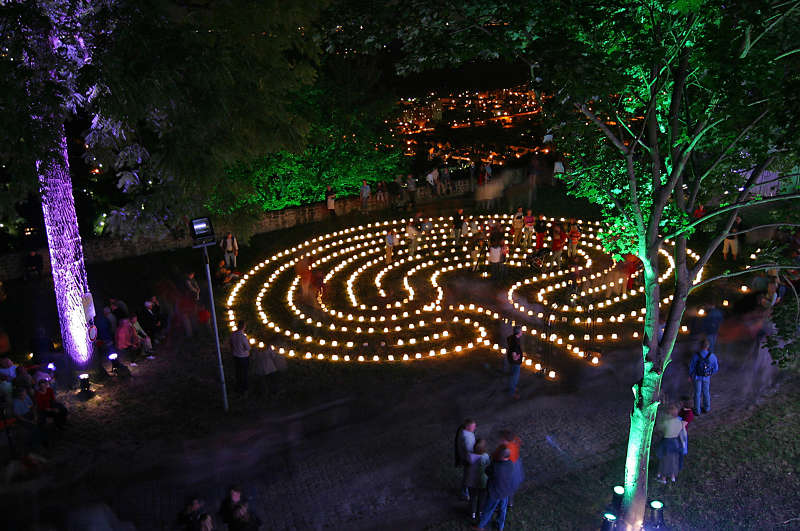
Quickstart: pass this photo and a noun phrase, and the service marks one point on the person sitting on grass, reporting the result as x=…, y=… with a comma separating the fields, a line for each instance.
x=25, y=415
x=47, y=407
x=128, y=343
x=142, y=335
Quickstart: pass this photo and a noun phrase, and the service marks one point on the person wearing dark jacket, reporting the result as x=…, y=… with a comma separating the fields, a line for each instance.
x=500, y=486
x=514, y=356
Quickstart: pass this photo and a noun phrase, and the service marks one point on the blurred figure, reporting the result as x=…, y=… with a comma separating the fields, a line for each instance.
x=33, y=265
x=500, y=486
x=465, y=444
x=670, y=449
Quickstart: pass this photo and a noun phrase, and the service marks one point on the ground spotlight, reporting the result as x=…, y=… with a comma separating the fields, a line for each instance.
x=616, y=499
x=117, y=367
x=51, y=366
x=85, y=387
x=656, y=520
x=609, y=522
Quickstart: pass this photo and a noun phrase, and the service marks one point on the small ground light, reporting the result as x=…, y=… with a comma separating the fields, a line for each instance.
x=616, y=499
x=51, y=366
x=609, y=521
x=656, y=519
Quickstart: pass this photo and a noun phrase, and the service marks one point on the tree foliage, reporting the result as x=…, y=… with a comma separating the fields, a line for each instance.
x=348, y=142
x=174, y=92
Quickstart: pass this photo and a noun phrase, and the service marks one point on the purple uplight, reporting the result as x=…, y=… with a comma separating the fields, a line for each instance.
x=66, y=252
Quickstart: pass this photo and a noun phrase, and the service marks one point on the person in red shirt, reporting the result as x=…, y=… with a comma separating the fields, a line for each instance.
x=508, y=439
x=45, y=399
x=574, y=238
x=559, y=240
x=128, y=341
x=700, y=211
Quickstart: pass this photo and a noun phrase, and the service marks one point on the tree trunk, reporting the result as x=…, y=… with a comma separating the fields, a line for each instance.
x=645, y=407
x=66, y=253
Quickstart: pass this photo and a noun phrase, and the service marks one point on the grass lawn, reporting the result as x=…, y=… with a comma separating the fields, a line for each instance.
x=739, y=475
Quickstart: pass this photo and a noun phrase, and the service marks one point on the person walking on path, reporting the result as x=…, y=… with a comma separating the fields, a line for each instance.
x=540, y=227
x=365, y=194
x=330, y=201
x=464, y=444
x=411, y=188
x=476, y=477
x=517, y=222
x=703, y=366
x=528, y=229
x=391, y=241
x=240, y=350
x=711, y=323
x=458, y=224
x=496, y=261
x=499, y=487
x=230, y=247
x=670, y=449
x=514, y=356
x=412, y=233
x=380, y=195
x=512, y=441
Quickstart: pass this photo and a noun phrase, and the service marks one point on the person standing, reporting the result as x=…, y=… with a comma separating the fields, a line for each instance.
x=540, y=227
x=476, y=477
x=446, y=180
x=703, y=366
x=411, y=188
x=528, y=229
x=240, y=350
x=391, y=241
x=670, y=449
x=499, y=487
x=496, y=260
x=517, y=222
x=513, y=443
x=365, y=193
x=574, y=238
x=412, y=233
x=192, y=286
x=711, y=324
x=432, y=178
x=731, y=243
x=330, y=201
x=380, y=196
x=465, y=444
x=458, y=224
x=514, y=356
x=559, y=240
x=231, y=249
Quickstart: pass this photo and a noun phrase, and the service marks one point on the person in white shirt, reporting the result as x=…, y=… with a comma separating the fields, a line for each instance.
x=231, y=249
x=413, y=238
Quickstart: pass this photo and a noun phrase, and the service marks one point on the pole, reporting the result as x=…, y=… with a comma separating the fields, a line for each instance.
x=216, y=330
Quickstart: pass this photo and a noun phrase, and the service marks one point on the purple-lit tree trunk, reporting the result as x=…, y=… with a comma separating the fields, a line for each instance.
x=66, y=253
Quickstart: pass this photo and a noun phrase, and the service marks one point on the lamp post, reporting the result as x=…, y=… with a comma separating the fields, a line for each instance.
x=203, y=235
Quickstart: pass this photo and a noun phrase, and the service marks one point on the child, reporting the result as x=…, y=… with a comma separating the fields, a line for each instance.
x=529, y=221
x=476, y=476
x=390, y=243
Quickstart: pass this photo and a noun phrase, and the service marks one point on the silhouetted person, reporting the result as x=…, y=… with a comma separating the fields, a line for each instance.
x=33, y=264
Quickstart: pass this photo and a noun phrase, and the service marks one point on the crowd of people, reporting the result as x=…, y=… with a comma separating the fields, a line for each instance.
x=488, y=481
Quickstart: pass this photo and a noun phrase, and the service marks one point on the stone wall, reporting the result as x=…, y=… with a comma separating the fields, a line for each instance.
x=107, y=249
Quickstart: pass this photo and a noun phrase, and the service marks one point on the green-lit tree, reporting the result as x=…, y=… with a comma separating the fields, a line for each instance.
x=658, y=106
x=348, y=140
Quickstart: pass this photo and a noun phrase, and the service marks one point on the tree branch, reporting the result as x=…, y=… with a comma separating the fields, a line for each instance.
x=762, y=267
x=603, y=127
x=720, y=158
x=751, y=229
x=712, y=247
x=728, y=208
